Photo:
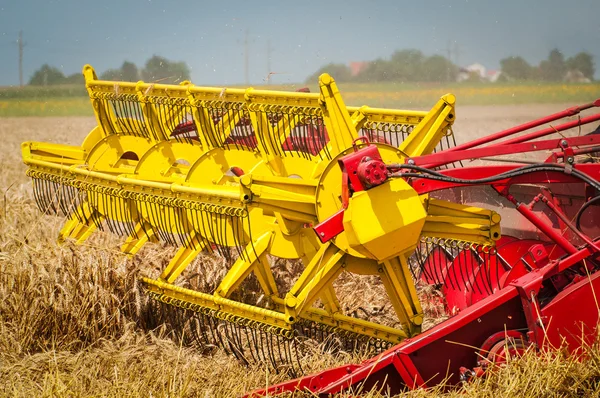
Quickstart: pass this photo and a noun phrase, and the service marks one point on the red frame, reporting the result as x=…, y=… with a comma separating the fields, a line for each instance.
x=425, y=359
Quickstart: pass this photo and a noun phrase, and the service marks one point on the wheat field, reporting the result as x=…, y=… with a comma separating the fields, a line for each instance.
x=74, y=322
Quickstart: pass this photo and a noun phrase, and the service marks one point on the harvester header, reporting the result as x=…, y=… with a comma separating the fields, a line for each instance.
x=255, y=175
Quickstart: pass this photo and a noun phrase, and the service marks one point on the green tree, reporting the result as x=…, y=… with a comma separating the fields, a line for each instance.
x=376, y=71
x=47, y=75
x=554, y=68
x=129, y=72
x=516, y=68
x=340, y=72
x=74, y=78
x=584, y=63
x=438, y=69
x=160, y=69
x=111, y=74
x=406, y=65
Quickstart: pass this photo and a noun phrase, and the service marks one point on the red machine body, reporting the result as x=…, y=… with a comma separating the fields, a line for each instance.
x=538, y=286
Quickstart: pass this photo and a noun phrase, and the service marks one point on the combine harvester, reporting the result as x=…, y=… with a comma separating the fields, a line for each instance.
x=254, y=174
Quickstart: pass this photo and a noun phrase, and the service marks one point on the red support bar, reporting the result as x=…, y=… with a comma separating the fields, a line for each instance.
x=551, y=130
x=525, y=126
x=545, y=228
x=446, y=157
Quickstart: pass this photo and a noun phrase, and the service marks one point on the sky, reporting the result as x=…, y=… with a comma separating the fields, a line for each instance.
x=303, y=34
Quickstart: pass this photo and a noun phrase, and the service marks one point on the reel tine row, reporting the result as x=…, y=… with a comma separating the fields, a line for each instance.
x=199, y=206
x=282, y=350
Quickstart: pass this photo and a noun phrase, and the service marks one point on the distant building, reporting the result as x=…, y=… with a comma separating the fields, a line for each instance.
x=476, y=72
x=493, y=75
x=357, y=67
x=575, y=76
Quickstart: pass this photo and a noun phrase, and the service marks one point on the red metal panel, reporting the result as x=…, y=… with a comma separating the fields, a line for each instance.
x=572, y=315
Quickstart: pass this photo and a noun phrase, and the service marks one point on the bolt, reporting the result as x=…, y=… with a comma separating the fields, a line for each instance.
x=322, y=234
x=564, y=143
x=570, y=159
x=410, y=161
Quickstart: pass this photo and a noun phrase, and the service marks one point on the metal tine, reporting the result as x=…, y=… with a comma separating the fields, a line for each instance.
x=484, y=259
x=419, y=260
x=44, y=197
x=151, y=217
x=434, y=274
x=200, y=228
x=207, y=226
x=270, y=347
x=55, y=196
x=125, y=216
x=48, y=196
x=183, y=226
x=77, y=202
x=454, y=272
x=227, y=343
x=253, y=345
x=216, y=336
x=249, y=344
x=112, y=227
x=168, y=212
x=487, y=269
x=121, y=116
x=303, y=136
x=37, y=195
x=161, y=221
x=474, y=270
x=93, y=202
x=236, y=348
x=116, y=210
x=422, y=258
x=203, y=328
x=71, y=194
x=451, y=258
x=114, y=215
x=439, y=275
x=265, y=339
x=463, y=273
x=490, y=255
x=323, y=135
x=61, y=200
x=156, y=220
x=131, y=208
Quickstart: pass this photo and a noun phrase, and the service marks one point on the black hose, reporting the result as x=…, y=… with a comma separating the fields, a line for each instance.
x=583, y=209
x=433, y=175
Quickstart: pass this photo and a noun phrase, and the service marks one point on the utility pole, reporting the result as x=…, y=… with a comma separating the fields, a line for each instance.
x=21, y=45
x=246, y=75
x=449, y=52
x=457, y=52
x=268, y=60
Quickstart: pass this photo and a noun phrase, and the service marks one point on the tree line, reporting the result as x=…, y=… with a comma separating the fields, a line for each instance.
x=554, y=68
x=157, y=69
x=413, y=66
x=404, y=66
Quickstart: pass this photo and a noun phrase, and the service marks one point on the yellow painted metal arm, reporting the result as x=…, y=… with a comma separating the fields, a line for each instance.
x=339, y=124
x=428, y=133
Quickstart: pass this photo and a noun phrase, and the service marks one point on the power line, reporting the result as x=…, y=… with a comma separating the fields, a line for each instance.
x=246, y=62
